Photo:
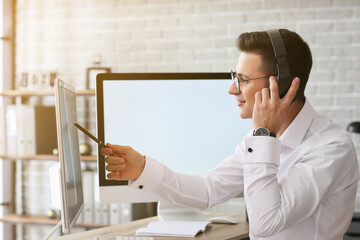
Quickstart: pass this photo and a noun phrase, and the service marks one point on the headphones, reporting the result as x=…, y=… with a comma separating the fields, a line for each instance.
x=283, y=78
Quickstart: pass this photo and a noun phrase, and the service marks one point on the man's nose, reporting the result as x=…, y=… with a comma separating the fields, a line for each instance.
x=233, y=89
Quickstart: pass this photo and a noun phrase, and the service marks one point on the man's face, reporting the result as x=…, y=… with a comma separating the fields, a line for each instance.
x=249, y=67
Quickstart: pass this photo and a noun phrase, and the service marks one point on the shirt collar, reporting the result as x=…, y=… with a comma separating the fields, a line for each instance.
x=295, y=132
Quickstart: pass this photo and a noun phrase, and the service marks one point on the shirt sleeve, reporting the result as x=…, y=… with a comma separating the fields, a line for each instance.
x=198, y=191
x=151, y=176
x=273, y=205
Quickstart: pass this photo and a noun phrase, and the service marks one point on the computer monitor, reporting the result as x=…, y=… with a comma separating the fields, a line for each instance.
x=188, y=121
x=71, y=192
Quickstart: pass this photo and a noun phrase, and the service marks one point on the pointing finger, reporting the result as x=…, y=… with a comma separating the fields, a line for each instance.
x=118, y=149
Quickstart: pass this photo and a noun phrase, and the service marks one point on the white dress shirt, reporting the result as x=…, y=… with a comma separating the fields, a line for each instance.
x=301, y=186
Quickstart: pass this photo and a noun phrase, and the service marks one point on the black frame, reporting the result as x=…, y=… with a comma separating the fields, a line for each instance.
x=100, y=78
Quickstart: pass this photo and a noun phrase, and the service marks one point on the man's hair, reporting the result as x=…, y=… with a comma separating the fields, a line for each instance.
x=298, y=54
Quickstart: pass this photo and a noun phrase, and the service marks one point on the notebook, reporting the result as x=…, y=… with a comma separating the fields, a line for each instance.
x=174, y=228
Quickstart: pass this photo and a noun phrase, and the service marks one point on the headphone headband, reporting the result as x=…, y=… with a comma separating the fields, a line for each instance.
x=284, y=77
x=277, y=42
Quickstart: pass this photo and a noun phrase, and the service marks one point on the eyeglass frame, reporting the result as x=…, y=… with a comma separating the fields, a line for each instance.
x=234, y=76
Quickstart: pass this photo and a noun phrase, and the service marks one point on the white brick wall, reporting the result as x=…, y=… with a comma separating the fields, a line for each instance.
x=187, y=35
x=184, y=35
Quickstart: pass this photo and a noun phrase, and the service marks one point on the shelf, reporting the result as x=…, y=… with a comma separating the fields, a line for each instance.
x=45, y=157
x=29, y=93
x=42, y=219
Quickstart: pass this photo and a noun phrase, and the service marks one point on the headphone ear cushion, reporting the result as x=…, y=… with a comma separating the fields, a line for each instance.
x=284, y=85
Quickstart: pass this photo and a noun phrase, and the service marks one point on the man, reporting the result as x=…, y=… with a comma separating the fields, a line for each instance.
x=299, y=182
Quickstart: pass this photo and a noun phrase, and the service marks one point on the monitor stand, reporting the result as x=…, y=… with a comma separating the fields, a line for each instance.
x=168, y=211
x=54, y=230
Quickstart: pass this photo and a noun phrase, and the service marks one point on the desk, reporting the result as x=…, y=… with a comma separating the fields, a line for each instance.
x=217, y=232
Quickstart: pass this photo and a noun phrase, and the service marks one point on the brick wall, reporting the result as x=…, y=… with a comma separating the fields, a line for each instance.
x=186, y=35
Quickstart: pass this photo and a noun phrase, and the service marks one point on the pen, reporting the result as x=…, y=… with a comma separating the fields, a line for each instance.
x=89, y=134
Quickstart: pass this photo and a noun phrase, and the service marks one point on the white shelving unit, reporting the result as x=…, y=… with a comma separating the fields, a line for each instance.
x=14, y=218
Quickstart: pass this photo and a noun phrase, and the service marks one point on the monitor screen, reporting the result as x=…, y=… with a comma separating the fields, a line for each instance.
x=188, y=121
x=69, y=155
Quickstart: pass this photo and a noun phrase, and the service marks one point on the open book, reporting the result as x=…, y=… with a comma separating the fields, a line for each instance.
x=174, y=228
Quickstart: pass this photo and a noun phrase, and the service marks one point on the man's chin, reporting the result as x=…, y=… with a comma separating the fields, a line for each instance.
x=244, y=116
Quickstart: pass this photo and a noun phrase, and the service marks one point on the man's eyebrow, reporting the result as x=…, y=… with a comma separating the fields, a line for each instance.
x=243, y=75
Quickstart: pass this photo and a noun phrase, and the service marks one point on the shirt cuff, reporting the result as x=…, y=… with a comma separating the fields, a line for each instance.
x=262, y=149
x=151, y=176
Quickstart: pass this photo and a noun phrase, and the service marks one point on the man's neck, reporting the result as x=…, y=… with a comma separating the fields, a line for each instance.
x=294, y=109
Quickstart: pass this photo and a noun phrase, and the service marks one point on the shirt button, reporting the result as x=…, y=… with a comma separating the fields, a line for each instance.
x=141, y=186
x=250, y=150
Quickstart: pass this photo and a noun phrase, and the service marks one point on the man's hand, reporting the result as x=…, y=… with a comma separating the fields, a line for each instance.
x=269, y=110
x=124, y=163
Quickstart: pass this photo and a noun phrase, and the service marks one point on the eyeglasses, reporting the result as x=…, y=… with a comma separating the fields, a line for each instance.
x=238, y=78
